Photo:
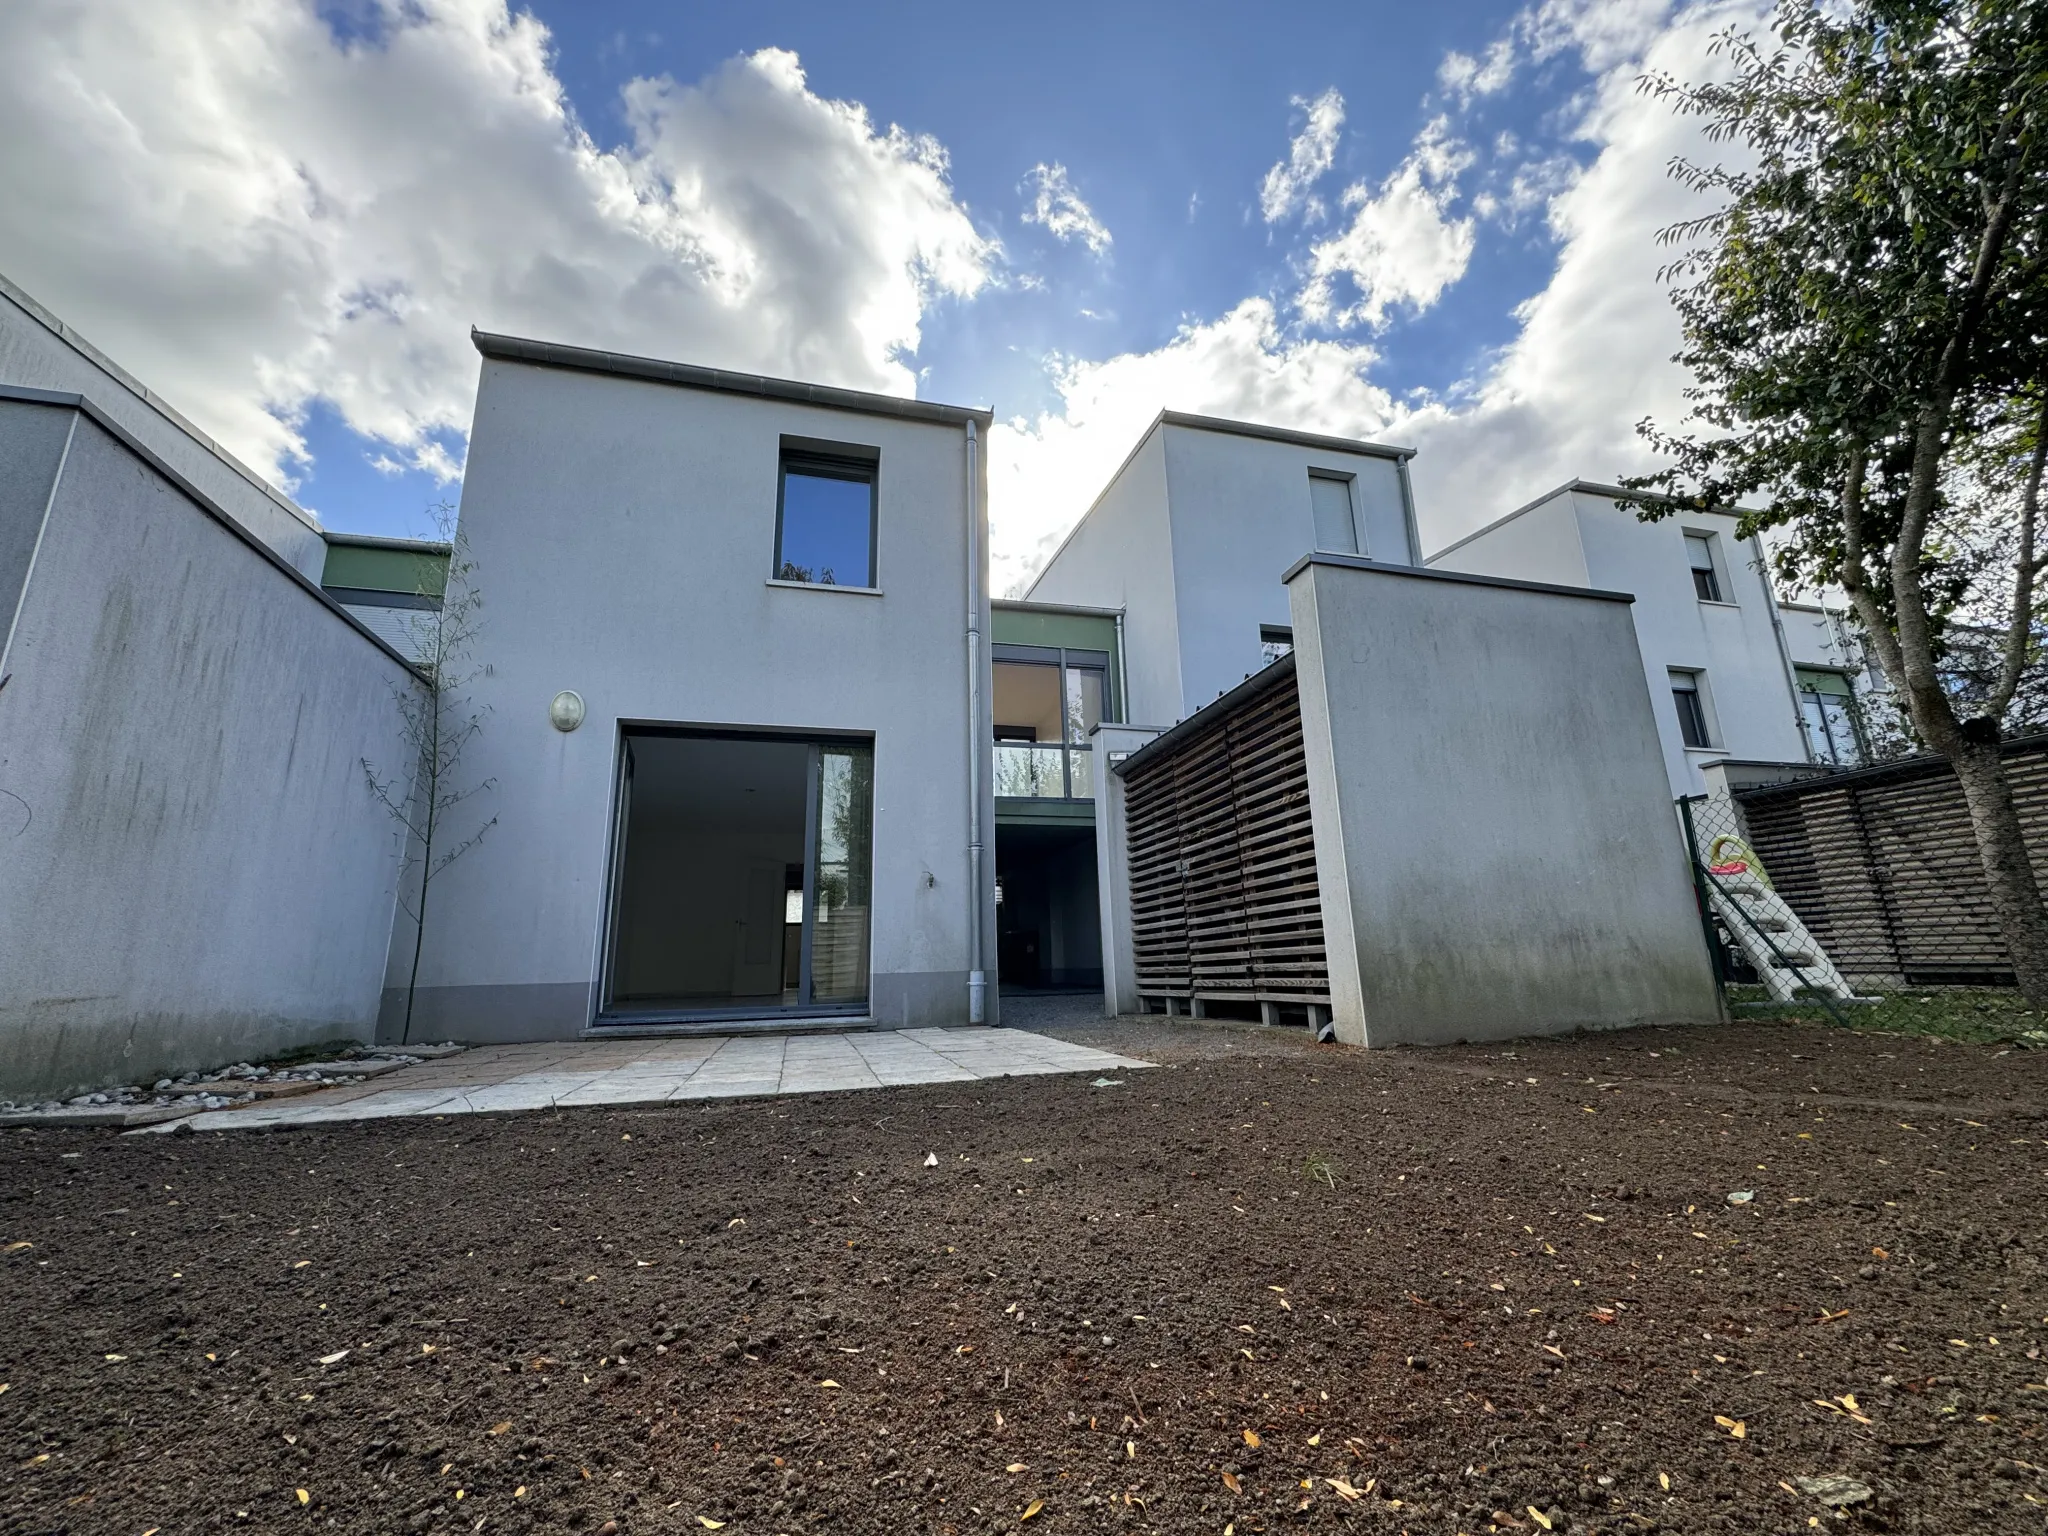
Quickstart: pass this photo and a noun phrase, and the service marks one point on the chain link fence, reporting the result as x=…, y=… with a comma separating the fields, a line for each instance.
x=1858, y=898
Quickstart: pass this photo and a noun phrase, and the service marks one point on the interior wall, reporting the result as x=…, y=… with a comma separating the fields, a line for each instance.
x=702, y=812
x=1051, y=922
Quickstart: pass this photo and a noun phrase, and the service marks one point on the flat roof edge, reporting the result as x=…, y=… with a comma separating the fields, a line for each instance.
x=380, y=541
x=553, y=354
x=1076, y=610
x=1465, y=578
x=56, y=326
x=1235, y=428
x=86, y=406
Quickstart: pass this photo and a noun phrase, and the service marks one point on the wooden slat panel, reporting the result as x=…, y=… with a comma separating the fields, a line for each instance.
x=1224, y=899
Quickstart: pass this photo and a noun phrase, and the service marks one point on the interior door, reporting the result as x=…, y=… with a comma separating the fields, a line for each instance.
x=757, y=943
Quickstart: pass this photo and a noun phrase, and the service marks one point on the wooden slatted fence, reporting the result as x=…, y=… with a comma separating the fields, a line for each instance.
x=1881, y=866
x=1225, y=906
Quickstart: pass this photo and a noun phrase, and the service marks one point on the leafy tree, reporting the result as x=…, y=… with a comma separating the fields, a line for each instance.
x=1865, y=318
x=439, y=722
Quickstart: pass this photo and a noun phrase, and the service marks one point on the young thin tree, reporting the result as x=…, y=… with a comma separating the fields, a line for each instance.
x=439, y=722
x=1865, y=318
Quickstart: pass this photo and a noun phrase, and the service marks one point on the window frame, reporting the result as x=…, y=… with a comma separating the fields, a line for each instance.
x=1063, y=662
x=829, y=461
x=1349, y=480
x=1695, y=684
x=1275, y=642
x=1716, y=568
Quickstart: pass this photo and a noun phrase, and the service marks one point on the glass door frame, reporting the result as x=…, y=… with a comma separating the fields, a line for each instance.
x=606, y=1015
x=1066, y=661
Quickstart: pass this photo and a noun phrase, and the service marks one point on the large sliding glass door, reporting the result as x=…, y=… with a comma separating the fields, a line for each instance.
x=742, y=877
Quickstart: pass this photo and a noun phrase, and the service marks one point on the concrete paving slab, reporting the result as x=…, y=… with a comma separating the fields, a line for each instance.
x=567, y=1075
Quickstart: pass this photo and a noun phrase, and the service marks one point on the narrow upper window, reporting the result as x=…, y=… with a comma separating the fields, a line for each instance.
x=1706, y=579
x=1692, y=712
x=1330, y=498
x=1275, y=641
x=825, y=517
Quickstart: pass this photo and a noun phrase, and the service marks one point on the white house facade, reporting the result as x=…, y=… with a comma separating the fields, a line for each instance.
x=1192, y=536
x=1714, y=648
x=735, y=721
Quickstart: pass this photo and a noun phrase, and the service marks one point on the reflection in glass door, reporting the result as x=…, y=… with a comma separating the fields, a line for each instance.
x=842, y=861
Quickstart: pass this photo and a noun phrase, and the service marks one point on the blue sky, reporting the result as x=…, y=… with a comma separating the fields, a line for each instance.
x=1425, y=224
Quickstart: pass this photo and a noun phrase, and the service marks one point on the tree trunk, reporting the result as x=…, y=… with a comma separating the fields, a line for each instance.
x=2008, y=871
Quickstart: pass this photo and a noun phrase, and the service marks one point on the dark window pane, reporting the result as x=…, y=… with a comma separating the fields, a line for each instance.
x=827, y=529
x=1707, y=585
x=1692, y=720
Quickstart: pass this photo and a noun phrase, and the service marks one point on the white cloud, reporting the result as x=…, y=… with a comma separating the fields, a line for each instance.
x=1593, y=355
x=254, y=217
x=1402, y=247
x=1056, y=205
x=1044, y=470
x=1465, y=78
x=1310, y=154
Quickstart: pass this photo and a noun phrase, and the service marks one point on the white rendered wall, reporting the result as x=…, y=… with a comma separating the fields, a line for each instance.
x=1495, y=843
x=38, y=352
x=1120, y=556
x=1752, y=711
x=623, y=533
x=195, y=871
x=1581, y=538
x=1538, y=544
x=1241, y=517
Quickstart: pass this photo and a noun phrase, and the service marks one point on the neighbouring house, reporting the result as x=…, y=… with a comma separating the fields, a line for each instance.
x=393, y=586
x=1190, y=539
x=1713, y=648
x=194, y=868
x=734, y=641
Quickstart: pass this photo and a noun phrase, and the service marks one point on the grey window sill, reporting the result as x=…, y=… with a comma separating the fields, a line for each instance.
x=1717, y=602
x=1714, y=751
x=823, y=586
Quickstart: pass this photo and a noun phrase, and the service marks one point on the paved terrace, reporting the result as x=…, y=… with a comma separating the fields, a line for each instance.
x=569, y=1073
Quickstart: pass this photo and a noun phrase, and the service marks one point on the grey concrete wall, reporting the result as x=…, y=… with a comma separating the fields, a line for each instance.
x=623, y=533
x=1494, y=833
x=39, y=351
x=194, y=871
x=1121, y=556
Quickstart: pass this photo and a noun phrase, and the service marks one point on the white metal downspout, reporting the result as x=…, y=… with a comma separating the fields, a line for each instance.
x=1763, y=570
x=977, y=978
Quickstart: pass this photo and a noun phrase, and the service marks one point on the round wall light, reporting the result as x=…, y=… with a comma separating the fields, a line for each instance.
x=566, y=712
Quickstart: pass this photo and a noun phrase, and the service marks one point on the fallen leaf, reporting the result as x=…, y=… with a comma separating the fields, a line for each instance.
x=964, y=1349
x=1016, y=1466
x=1551, y=1349
x=1251, y=1439
x=17, y=1247
x=1316, y=1438
x=1539, y=1517
x=37, y=1461
x=1344, y=1490
x=1230, y=1481
x=305, y=1497
x=1664, y=1481
x=1735, y=1427
x=519, y=1492
x=428, y=1349
x=1032, y=1508
x=829, y=1382
x=115, y=1357
x=334, y=1359
x=302, y=1264
x=710, y=1524
x=1130, y=1450
x=1880, y=1253
x=1591, y=1217
x=499, y=1428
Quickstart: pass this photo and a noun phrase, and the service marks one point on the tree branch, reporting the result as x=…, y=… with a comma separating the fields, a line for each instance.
x=2019, y=633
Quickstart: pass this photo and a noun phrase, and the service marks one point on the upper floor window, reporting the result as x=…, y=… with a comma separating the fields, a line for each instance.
x=825, y=514
x=1706, y=574
x=1692, y=709
x=1329, y=497
x=1275, y=641
x=1046, y=701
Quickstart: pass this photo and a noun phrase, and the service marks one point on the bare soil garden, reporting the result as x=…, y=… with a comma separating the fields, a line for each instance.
x=1762, y=1278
